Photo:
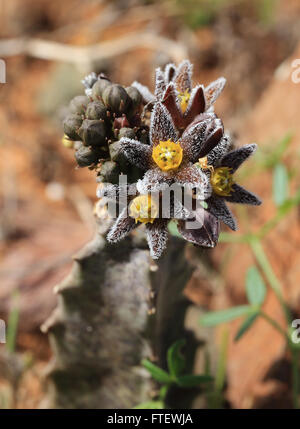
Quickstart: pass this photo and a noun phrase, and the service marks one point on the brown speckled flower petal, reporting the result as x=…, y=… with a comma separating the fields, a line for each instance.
x=205, y=229
x=236, y=157
x=137, y=153
x=162, y=127
x=218, y=207
x=242, y=196
x=201, y=136
x=157, y=237
x=213, y=90
x=122, y=227
x=183, y=77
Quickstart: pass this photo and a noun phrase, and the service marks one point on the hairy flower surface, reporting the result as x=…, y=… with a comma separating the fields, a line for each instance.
x=173, y=87
x=196, y=225
x=186, y=168
x=204, y=231
x=140, y=209
x=169, y=159
x=224, y=189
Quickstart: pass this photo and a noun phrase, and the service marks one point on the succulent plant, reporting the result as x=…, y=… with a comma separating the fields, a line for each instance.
x=181, y=144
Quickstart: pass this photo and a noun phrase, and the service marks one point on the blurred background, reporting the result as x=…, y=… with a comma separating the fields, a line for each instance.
x=47, y=203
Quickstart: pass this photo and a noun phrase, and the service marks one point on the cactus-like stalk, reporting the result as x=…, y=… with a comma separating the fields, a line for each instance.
x=97, y=332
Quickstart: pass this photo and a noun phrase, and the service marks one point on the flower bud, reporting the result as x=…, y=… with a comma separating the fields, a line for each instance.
x=116, y=98
x=99, y=86
x=126, y=132
x=79, y=104
x=93, y=132
x=121, y=122
x=86, y=156
x=110, y=172
x=116, y=153
x=142, y=134
x=72, y=123
x=96, y=110
x=135, y=97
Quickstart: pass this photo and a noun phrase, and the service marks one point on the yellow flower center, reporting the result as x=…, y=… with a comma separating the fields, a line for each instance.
x=167, y=155
x=143, y=209
x=184, y=98
x=222, y=181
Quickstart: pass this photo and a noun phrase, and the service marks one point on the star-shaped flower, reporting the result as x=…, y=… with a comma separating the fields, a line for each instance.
x=169, y=158
x=220, y=166
x=148, y=210
x=167, y=161
x=136, y=209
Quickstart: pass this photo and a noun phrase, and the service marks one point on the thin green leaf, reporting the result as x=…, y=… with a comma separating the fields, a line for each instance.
x=12, y=324
x=157, y=373
x=215, y=398
x=176, y=361
x=280, y=184
x=163, y=392
x=255, y=286
x=247, y=323
x=217, y=317
x=193, y=380
x=222, y=360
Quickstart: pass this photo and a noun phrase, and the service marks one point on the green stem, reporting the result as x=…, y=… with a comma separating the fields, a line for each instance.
x=267, y=269
x=274, y=324
x=221, y=370
x=227, y=237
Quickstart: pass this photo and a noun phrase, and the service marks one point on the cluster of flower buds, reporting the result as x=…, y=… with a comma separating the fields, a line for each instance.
x=98, y=120
x=185, y=161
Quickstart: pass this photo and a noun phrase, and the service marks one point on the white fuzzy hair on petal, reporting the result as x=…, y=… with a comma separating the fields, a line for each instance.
x=154, y=180
x=162, y=127
x=213, y=90
x=137, y=153
x=169, y=67
x=219, y=151
x=192, y=177
x=122, y=227
x=218, y=208
x=113, y=192
x=157, y=237
x=160, y=84
x=183, y=77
